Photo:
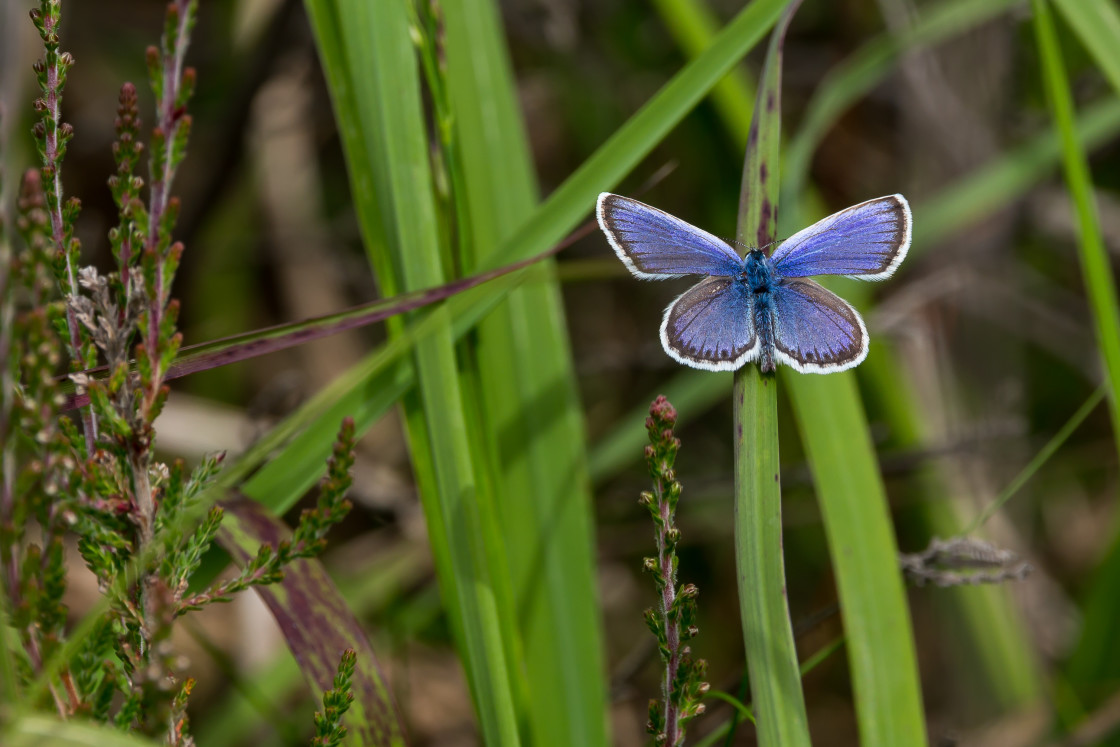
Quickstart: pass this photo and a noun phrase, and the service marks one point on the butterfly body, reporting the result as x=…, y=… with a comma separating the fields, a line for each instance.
x=761, y=307
x=760, y=280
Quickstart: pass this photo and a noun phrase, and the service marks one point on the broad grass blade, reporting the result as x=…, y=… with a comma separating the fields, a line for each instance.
x=316, y=623
x=376, y=88
x=529, y=410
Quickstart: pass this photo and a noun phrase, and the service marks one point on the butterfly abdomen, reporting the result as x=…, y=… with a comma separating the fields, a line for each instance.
x=759, y=277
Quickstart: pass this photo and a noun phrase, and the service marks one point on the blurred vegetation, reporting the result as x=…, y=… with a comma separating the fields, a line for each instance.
x=512, y=451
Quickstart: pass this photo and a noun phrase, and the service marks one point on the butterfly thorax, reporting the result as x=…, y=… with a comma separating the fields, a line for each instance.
x=757, y=272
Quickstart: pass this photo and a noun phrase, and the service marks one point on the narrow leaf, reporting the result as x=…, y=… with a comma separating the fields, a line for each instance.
x=779, y=705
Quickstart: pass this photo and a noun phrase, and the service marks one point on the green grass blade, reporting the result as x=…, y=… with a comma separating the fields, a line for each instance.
x=693, y=27
x=864, y=554
x=1092, y=666
x=1095, y=268
x=767, y=634
x=380, y=78
x=529, y=405
x=1097, y=24
x=779, y=704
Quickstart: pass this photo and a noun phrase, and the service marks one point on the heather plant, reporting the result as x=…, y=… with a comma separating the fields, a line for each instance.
x=97, y=478
x=673, y=620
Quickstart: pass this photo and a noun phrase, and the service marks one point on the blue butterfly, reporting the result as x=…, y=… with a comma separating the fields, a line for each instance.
x=758, y=307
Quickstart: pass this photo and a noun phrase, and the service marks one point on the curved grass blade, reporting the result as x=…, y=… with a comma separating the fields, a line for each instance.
x=1096, y=270
x=693, y=26
x=317, y=624
x=767, y=633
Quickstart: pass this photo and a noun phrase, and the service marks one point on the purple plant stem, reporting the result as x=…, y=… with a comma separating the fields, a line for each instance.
x=672, y=628
x=58, y=232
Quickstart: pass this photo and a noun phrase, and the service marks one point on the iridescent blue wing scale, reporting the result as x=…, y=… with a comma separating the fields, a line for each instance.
x=815, y=331
x=867, y=241
x=710, y=326
x=655, y=245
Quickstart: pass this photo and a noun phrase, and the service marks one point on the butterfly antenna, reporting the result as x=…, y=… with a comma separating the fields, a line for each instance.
x=736, y=242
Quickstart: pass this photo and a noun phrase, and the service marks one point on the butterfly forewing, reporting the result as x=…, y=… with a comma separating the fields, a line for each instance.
x=815, y=331
x=866, y=241
x=710, y=326
x=655, y=245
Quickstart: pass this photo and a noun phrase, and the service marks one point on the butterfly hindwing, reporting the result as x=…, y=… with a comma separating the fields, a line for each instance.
x=866, y=241
x=815, y=331
x=710, y=326
x=655, y=245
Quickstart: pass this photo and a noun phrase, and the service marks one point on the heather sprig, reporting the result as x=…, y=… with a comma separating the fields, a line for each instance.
x=673, y=621
x=308, y=539
x=51, y=137
x=329, y=731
